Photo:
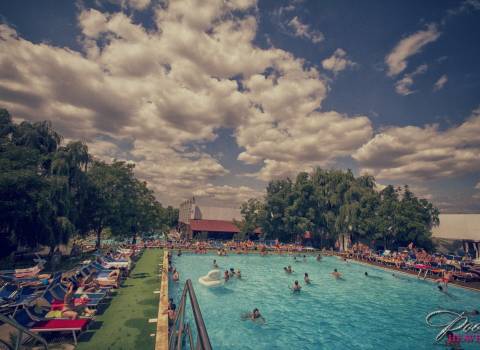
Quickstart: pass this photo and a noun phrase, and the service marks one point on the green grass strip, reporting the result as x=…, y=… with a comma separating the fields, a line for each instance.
x=124, y=325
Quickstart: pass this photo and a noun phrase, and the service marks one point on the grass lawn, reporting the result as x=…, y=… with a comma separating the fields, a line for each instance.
x=124, y=324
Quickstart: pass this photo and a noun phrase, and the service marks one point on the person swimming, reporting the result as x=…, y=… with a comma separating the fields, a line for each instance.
x=254, y=315
x=238, y=273
x=226, y=276
x=304, y=258
x=374, y=277
x=306, y=278
x=336, y=274
x=289, y=269
x=215, y=265
x=444, y=291
x=231, y=272
x=176, y=275
x=319, y=257
x=296, y=287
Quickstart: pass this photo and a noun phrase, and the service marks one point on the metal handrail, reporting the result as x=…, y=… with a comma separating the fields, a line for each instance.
x=179, y=328
x=22, y=330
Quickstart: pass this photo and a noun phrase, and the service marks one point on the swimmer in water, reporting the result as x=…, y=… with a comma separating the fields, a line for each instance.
x=175, y=276
x=296, y=287
x=304, y=258
x=255, y=316
x=319, y=257
x=374, y=277
x=307, y=279
x=444, y=291
x=215, y=265
x=336, y=274
x=289, y=269
x=226, y=276
x=238, y=273
x=232, y=272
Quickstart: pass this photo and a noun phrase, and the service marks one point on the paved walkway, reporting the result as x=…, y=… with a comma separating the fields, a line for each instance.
x=124, y=325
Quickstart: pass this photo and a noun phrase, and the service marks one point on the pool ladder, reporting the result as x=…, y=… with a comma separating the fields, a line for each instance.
x=181, y=336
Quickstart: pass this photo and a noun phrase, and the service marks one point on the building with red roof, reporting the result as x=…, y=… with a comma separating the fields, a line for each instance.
x=208, y=222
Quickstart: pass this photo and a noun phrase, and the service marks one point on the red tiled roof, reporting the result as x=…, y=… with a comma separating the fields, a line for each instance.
x=213, y=226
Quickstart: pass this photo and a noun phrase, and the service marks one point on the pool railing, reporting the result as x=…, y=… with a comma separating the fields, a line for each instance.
x=181, y=328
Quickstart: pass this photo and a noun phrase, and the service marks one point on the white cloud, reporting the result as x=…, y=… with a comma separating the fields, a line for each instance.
x=163, y=92
x=227, y=194
x=416, y=153
x=298, y=143
x=337, y=62
x=403, y=86
x=440, y=83
x=302, y=30
x=409, y=46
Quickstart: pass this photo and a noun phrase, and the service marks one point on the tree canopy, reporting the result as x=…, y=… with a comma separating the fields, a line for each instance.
x=332, y=202
x=49, y=191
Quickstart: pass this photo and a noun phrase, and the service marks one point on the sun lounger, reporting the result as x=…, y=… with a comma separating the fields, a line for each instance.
x=51, y=325
x=59, y=294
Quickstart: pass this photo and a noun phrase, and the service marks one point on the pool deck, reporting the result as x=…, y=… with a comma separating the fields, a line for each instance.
x=473, y=286
x=161, y=341
x=126, y=323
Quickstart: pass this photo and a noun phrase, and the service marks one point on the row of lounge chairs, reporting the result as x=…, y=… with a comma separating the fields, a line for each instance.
x=460, y=271
x=37, y=302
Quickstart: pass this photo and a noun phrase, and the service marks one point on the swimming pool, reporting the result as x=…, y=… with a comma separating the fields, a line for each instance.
x=355, y=313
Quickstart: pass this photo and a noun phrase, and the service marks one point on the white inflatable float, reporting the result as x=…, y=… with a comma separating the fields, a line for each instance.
x=212, y=279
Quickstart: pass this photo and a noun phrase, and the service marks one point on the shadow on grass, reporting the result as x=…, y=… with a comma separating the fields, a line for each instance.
x=152, y=281
x=140, y=275
x=149, y=301
x=85, y=337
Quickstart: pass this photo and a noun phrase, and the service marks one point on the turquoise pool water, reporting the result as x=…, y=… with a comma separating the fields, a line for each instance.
x=355, y=313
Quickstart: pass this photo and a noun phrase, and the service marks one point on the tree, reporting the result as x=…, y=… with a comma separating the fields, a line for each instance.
x=253, y=213
x=331, y=202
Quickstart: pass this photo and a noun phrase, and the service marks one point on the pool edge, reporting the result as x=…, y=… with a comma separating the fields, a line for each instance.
x=161, y=340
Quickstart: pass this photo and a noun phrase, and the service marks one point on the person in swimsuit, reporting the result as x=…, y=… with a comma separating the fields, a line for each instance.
x=176, y=275
x=296, y=287
x=215, y=265
x=68, y=304
x=336, y=274
x=226, y=276
x=306, y=278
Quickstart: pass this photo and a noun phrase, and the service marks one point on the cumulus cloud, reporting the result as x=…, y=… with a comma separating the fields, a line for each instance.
x=403, y=86
x=440, y=83
x=227, y=194
x=337, y=62
x=421, y=153
x=302, y=30
x=409, y=46
x=152, y=96
x=299, y=143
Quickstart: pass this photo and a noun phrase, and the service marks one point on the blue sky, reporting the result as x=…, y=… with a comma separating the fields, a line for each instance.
x=217, y=99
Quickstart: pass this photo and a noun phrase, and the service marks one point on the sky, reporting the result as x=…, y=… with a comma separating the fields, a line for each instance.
x=216, y=98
